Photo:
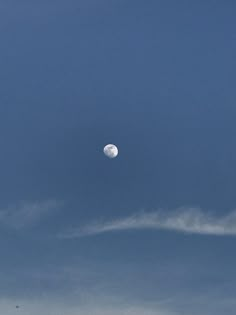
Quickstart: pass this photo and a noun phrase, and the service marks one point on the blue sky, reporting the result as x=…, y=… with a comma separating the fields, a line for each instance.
x=152, y=231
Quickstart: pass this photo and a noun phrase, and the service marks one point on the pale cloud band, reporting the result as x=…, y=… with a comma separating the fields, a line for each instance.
x=187, y=220
x=55, y=307
x=27, y=213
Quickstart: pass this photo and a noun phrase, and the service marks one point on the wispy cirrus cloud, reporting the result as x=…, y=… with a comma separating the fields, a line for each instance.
x=185, y=220
x=27, y=213
x=28, y=307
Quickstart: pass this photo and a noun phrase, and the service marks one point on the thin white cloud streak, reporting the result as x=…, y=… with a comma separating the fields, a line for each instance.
x=27, y=213
x=60, y=306
x=8, y=307
x=188, y=220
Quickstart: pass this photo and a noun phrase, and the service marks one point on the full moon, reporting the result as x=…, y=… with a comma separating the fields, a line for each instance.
x=111, y=151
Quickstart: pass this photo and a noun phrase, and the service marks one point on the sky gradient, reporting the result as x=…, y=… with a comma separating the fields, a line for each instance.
x=152, y=231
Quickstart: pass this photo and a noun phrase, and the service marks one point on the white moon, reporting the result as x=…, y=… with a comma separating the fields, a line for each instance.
x=111, y=151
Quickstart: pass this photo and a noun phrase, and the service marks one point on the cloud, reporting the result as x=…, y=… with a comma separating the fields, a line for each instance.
x=27, y=213
x=55, y=307
x=62, y=306
x=185, y=220
x=90, y=294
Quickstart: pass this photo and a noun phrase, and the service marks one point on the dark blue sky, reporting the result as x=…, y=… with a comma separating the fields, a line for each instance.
x=157, y=78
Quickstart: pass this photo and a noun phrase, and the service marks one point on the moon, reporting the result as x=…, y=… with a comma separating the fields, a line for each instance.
x=111, y=151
